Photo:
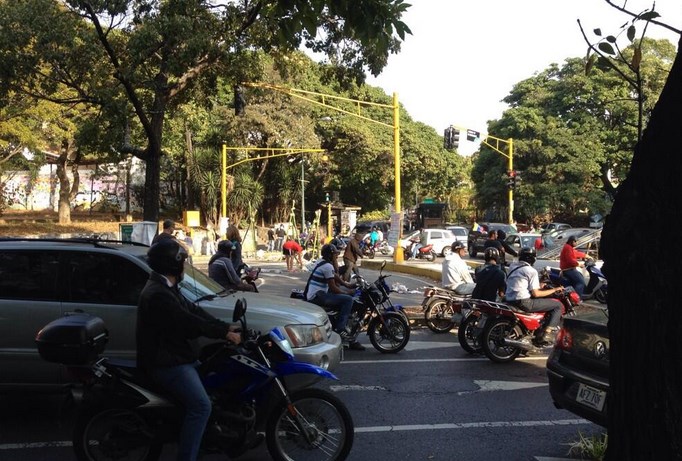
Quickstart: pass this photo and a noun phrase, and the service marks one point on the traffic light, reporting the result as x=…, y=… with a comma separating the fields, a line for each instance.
x=511, y=179
x=239, y=101
x=451, y=138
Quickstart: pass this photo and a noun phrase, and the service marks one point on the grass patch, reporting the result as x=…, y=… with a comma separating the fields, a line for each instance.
x=591, y=448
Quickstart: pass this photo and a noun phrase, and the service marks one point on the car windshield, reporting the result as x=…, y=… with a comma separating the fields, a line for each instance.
x=195, y=284
x=528, y=240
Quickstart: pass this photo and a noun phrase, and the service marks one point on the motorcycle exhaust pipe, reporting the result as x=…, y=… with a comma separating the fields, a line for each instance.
x=523, y=345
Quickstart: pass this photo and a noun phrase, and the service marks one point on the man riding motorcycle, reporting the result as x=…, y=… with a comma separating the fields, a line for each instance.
x=523, y=291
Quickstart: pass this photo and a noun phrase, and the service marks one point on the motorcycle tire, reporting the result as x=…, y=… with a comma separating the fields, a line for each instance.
x=494, y=334
x=370, y=253
x=105, y=433
x=391, y=337
x=600, y=295
x=431, y=256
x=326, y=419
x=438, y=315
x=469, y=336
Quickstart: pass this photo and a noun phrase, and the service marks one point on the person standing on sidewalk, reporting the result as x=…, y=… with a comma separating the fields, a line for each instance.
x=351, y=255
x=271, y=239
x=280, y=234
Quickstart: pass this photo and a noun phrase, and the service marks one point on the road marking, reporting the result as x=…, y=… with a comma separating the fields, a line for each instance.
x=489, y=386
x=472, y=359
x=355, y=387
x=478, y=425
x=21, y=446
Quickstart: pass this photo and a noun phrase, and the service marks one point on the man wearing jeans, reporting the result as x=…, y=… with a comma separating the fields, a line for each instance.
x=166, y=325
x=326, y=289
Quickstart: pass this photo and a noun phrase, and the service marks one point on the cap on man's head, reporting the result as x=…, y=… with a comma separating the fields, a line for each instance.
x=169, y=224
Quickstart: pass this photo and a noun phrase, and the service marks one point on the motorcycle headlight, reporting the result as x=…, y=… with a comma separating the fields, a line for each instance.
x=304, y=335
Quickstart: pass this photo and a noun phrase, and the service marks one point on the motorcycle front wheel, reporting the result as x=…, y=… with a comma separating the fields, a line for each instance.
x=114, y=433
x=316, y=427
x=438, y=316
x=493, y=340
x=391, y=336
x=469, y=335
x=431, y=256
x=600, y=295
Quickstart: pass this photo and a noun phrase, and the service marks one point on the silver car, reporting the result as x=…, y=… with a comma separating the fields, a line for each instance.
x=41, y=280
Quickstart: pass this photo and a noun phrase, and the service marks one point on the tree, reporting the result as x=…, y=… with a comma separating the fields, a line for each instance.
x=143, y=59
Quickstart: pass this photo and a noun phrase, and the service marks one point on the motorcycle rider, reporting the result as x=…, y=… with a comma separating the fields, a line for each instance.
x=501, y=236
x=523, y=291
x=167, y=324
x=569, y=265
x=418, y=241
x=491, y=280
x=221, y=270
x=455, y=273
x=328, y=290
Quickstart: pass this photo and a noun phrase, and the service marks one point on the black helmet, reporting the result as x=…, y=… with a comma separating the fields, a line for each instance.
x=167, y=257
x=491, y=253
x=329, y=251
x=528, y=254
x=225, y=246
x=457, y=245
x=501, y=235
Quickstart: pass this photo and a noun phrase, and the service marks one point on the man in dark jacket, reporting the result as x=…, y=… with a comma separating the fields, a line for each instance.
x=166, y=325
x=490, y=279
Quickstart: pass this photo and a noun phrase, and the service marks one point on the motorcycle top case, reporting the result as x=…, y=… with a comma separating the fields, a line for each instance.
x=72, y=340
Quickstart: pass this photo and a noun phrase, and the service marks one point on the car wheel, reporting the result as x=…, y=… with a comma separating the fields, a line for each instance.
x=447, y=249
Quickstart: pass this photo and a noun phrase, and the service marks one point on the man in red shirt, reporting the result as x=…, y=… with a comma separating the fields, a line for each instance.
x=291, y=250
x=569, y=265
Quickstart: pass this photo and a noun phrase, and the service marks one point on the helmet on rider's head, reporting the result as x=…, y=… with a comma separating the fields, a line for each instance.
x=491, y=253
x=501, y=235
x=225, y=246
x=167, y=257
x=329, y=251
x=457, y=245
x=528, y=254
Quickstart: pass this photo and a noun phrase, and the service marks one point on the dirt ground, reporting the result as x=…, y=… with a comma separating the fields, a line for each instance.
x=22, y=223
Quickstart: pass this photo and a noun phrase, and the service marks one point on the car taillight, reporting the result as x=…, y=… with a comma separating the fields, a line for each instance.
x=564, y=340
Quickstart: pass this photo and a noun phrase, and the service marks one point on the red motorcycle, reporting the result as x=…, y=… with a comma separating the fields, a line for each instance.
x=503, y=331
x=425, y=252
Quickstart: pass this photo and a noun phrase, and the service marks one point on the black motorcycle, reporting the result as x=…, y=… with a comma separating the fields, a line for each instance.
x=125, y=415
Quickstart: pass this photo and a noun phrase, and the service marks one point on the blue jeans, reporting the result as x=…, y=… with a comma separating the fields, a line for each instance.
x=333, y=301
x=183, y=382
x=577, y=280
x=415, y=249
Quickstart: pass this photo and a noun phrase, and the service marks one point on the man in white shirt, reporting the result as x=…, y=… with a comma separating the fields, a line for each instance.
x=455, y=272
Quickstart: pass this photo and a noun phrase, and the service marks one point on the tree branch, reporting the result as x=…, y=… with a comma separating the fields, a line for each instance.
x=636, y=16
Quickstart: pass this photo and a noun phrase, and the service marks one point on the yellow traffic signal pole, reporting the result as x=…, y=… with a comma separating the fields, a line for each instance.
x=324, y=102
x=510, y=161
x=270, y=152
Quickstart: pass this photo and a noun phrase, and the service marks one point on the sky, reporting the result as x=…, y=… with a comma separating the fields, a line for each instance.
x=464, y=57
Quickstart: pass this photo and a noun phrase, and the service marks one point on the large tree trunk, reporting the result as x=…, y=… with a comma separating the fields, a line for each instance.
x=152, y=186
x=642, y=263
x=67, y=190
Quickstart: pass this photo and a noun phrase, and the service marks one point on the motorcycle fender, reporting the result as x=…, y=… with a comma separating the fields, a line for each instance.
x=294, y=368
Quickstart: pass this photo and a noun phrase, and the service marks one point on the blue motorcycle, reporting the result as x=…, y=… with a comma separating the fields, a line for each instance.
x=255, y=387
x=596, y=287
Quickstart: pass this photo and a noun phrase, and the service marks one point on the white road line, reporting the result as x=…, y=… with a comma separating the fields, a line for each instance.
x=473, y=359
x=356, y=387
x=483, y=424
x=490, y=386
x=367, y=430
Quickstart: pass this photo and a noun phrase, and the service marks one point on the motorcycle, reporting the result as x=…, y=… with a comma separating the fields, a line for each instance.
x=124, y=415
x=425, y=252
x=441, y=306
x=367, y=249
x=506, y=331
x=596, y=288
x=384, y=248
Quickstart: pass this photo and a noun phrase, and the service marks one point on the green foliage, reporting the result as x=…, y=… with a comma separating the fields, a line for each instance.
x=592, y=448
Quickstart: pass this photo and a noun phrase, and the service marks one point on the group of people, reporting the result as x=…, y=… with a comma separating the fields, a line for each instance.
x=519, y=286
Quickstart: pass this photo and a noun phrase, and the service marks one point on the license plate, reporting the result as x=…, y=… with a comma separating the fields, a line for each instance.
x=591, y=397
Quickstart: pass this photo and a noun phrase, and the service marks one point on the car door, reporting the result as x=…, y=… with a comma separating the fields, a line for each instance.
x=436, y=239
x=107, y=285
x=28, y=301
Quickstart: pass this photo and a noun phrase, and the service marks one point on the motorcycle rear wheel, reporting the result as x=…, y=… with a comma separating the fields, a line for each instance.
x=494, y=334
x=113, y=433
x=600, y=295
x=469, y=336
x=391, y=338
x=326, y=420
x=438, y=316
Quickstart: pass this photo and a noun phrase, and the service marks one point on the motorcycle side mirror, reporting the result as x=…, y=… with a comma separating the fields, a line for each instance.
x=383, y=264
x=239, y=310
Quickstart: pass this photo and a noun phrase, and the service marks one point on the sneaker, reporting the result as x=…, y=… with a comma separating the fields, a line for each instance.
x=345, y=336
x=356, y=346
